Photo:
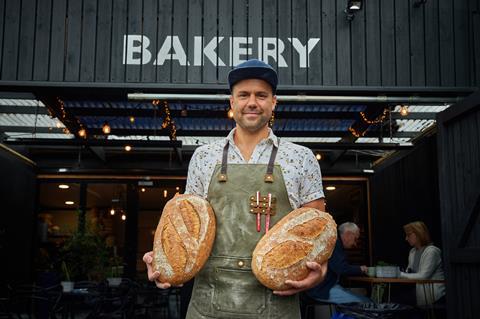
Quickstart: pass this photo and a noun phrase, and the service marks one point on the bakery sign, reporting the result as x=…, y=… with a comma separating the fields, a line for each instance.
x=138, y=50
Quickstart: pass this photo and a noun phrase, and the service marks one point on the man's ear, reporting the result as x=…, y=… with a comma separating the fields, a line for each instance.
x=274, y=102
x=231, y=101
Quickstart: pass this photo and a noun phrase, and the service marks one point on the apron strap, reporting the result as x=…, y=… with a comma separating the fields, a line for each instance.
x=271, y=162
x=269, y=175
x=223, y=170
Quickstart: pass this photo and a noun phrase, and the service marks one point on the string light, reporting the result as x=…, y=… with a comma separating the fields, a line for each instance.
x=167, y=121
x=124, y=217
x=318, y=156
x=106, y=129
x=128, y=148
x=330, y=188
x=112, y=211
x=378, y=120
x=69, y=202
x=165, y=193
x=143, y=190
x=132, y=119
x=356, y=133
x=404, y=110
x=63, y=186
x=230, y=114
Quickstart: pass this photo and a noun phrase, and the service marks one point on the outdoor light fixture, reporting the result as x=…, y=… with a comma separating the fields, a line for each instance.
x=112, y=211
x=131, y=119
x=128, y=148
x=124, y=217
x=82, y=132
x=106, y=129
x=230, y=114
x=165, y=193
x=318, y=156
x=330, y=188
x=404, y=110
x=69, y=202
x=63, y=186
x=352, y=7
x=143, y=189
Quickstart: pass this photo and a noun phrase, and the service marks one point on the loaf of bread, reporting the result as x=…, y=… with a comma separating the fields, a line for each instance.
x=305, y=234
x=183, y=239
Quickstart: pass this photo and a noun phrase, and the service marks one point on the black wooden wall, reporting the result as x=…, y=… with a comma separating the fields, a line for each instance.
x=459, y=175
x=404, y=189
x=17, y=227
x=389, y=43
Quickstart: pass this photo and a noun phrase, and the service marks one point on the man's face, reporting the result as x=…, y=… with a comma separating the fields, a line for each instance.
x=350, y=238
x=252, y=102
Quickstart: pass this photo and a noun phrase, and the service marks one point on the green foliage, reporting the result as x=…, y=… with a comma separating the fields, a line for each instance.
x=381, y=263
x=85, y=256
x=116, y=266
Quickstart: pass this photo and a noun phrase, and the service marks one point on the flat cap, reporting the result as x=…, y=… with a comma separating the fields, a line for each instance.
x=253, y=69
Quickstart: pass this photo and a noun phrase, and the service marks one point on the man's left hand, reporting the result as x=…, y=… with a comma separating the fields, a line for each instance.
x=316, y=276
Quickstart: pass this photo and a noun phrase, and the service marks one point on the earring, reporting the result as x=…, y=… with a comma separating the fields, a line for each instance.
x=272, y=120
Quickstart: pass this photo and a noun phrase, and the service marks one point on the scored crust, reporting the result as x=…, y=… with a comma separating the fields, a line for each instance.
x=183, y=239
x=305, y=234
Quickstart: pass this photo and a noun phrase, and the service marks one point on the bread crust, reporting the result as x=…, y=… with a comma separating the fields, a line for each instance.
x=183, y=239
x=305, y=234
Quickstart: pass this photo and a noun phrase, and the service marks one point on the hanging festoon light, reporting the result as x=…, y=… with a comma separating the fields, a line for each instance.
x=124, y=217
x=128, y=148
x=318, y=156
x=131, y=119
x=143, y=190
x=404, y=110
x=106, y=129
x=112, y=211
x=230, y=114
x=165, y=193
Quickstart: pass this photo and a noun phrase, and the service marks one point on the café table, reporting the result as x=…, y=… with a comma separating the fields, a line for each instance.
x=426, y=284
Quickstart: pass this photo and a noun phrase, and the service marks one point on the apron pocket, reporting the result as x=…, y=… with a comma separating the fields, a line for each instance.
x=238, y=291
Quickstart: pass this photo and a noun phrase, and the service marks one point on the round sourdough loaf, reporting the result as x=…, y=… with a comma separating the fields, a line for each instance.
x=183, y=239
x=305, y=234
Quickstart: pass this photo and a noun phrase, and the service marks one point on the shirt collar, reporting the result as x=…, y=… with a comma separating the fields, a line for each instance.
x=272, y=138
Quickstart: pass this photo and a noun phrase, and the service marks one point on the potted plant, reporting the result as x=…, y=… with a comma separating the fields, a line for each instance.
x=67, y=283
x=86, y=256
x=116, y=271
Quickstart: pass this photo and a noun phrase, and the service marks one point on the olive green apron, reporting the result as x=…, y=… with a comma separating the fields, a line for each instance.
x=226, y=286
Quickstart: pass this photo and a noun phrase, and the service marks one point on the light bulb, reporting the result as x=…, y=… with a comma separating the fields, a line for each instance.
x=230, y=114
x=404, y=110
x=106, y=129
x=128, y=148
x=112, y=211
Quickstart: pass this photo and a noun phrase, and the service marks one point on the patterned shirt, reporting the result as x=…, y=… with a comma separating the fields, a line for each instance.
x=300, y=169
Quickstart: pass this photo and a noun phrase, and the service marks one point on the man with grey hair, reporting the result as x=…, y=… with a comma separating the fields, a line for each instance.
x=330, y=290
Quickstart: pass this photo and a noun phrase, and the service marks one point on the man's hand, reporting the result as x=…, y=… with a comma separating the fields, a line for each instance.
x=316, y=275
x=153, y=275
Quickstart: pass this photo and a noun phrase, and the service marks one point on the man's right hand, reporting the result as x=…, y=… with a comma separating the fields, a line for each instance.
x=153, y=275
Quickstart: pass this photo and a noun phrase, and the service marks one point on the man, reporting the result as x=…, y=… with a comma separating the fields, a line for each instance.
x=330, y=290
x=250, y=161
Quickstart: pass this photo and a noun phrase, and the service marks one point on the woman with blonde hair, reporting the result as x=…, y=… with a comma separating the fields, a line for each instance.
x=424, y=262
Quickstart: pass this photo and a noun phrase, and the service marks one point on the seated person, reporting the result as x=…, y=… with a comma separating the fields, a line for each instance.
x=424, y=262
x=330, y=290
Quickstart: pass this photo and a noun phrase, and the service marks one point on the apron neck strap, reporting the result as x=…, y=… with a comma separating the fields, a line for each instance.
x=268, y=175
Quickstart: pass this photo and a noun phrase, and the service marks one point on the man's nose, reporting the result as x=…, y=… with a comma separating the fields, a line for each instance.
x=252, y=100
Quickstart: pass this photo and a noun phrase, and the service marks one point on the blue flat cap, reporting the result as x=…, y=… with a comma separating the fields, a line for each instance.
x=253, y=69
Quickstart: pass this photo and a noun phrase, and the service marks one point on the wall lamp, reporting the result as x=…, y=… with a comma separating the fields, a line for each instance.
x=352, y=7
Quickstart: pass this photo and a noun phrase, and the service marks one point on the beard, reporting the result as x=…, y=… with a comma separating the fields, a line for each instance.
x=252, y=125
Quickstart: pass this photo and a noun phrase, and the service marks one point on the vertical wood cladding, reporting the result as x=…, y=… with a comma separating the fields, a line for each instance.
x=310, y=42
x=459, y=177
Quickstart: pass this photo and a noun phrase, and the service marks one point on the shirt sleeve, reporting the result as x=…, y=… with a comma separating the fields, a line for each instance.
x=339, y=265
x=311, y=187
x=195, y=185
x=429, y=262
